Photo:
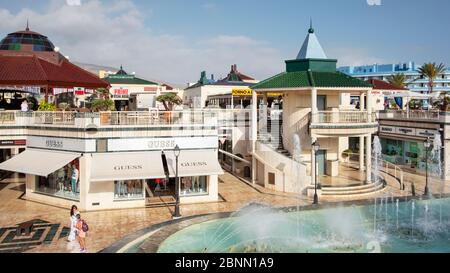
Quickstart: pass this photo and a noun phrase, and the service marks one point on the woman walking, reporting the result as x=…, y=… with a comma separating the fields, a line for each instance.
x=73, y=223
x=81, y=232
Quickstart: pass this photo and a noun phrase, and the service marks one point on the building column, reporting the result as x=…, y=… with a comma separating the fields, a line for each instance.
x=361, y=102
x=361, y=153
x=368, y=159
x=14, y=152
x=314, y=110
x=254, y=133
x=313, y=162
x=369, y=106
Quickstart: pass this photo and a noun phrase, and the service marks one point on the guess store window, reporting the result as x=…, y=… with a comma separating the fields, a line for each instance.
x=193, y=185
x=129, y=189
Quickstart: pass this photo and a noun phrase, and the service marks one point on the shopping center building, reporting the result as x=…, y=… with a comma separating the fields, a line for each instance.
x=99, y=162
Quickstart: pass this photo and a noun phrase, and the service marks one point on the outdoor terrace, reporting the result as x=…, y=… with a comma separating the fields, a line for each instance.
x=416, y=115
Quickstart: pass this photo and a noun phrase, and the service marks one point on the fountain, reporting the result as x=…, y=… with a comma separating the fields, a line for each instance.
x=296, y=152
x=376, y=158
x=260, y=228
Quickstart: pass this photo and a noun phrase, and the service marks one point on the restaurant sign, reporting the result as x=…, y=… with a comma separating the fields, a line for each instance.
x=28, y=89
x=242, y=92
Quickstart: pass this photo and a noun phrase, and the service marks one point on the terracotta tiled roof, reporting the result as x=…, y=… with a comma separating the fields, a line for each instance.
x=382, y=85
x=31, y=70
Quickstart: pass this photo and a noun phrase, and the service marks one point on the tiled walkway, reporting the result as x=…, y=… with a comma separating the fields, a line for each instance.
x=107, y=227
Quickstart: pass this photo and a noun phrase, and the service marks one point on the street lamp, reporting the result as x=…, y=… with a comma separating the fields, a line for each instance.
x=427, y=145
x=177, y=214
x=316, y=148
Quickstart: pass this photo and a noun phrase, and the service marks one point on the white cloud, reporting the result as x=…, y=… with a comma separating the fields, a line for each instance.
x=113, y=33
x=349, y=56
x=73, y=2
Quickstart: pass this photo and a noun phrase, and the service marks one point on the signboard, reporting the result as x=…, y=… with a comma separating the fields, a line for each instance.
x=13, y=142
x=408, y=131
x=241, y=92
x=152, y=88
x=79, y=90
x=62, y=144
x=28, y=89
x=274, y=94
x=158, y=144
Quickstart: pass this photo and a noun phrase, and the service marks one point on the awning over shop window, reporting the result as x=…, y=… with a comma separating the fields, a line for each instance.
x=38, y=162
x=148, y=165
x=194, y=163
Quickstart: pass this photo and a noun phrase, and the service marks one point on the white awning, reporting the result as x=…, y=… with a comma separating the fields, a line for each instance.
x=194, y=163
x=148, y=165
x=38, y=162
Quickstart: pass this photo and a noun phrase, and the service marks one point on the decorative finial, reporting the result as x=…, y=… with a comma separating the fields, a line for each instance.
x=27, y=29
x=311, y=30
x=121, y=68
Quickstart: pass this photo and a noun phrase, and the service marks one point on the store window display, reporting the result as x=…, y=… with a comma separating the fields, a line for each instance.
x=64, y=183
x=193, y=185
x=129, y=189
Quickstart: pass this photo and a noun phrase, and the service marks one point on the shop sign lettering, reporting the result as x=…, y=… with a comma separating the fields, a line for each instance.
x=128, y=167
x=53, y=143
x=193, y=164
x=161, y=144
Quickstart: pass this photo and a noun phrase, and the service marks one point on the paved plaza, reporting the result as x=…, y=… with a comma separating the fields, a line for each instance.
x=107, y=227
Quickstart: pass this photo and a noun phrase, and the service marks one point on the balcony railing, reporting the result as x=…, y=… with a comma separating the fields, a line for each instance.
x=413, y=114
x=75, y=119
x=342, y=117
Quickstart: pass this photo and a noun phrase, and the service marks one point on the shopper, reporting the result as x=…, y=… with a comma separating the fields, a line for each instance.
x=24, y=106
x=73, y=223
x=82, y=230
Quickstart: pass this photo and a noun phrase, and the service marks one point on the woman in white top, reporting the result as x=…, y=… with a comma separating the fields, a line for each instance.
x=73, y=223
x=24, y=106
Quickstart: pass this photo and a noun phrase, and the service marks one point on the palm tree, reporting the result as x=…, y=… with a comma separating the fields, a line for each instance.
x=398, y=80
x=169, y=100
x=431, y=71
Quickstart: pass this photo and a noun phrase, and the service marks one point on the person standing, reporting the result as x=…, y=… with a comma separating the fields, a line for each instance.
x=81, y=232
x=24, y=106
x=75, y=174
x=73, y=223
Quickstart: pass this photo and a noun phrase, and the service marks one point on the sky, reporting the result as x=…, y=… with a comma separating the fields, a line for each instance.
x=174, y=40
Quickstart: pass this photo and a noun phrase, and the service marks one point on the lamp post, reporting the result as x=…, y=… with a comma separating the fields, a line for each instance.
x=316, y=148
x=427, y=145
x=177, y=214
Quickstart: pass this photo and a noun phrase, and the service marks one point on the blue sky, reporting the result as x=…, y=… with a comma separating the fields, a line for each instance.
x=174, y=40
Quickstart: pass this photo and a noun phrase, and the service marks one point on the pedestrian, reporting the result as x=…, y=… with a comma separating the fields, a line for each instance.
x=73, y=223
x=82, y=229
x=24, y=106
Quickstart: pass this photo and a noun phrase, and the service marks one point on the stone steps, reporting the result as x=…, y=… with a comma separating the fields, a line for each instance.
x=351, y=191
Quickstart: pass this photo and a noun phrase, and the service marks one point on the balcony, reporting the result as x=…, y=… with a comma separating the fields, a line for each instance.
x=415, y=115
x=346, y=123
x=108, y=119
x=342, y=117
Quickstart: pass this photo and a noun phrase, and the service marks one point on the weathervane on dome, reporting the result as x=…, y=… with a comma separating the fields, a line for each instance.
x=27, y=29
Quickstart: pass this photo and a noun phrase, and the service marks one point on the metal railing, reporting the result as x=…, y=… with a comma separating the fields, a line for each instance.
x=156, y=118
x=413, y=114
x=8, y=117
x=349, y=117
x=386, y=167
x=55, y=118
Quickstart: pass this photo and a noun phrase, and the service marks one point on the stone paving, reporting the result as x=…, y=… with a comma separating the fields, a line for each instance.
x=108, y=227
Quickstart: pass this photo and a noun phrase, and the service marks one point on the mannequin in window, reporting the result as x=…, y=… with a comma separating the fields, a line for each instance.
x=74, y=179
x=61, y=175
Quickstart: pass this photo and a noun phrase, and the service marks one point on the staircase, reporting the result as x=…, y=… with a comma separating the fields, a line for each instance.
x=353, y=190
x=274, y=136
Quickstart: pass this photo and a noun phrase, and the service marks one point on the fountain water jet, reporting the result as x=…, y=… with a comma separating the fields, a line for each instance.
x=376, y=155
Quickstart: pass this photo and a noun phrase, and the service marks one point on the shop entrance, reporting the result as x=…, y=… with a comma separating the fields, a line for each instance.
x=160, y=191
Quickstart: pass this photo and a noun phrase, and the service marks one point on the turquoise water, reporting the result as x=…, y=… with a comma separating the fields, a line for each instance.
x=370, y=228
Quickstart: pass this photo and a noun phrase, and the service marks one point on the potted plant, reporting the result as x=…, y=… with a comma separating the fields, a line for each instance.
x=169, y=100
x=346, y=154
x=47, y=107
x=102, y=103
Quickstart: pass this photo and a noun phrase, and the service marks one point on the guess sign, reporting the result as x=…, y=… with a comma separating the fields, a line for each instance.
x=53, y=143
x=161, y=144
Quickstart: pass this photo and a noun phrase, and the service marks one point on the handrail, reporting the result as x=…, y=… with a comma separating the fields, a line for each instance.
x=342, y=117
x=396, y=172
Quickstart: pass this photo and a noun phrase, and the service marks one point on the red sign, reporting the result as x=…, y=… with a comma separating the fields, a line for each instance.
x=150, y=88
x=121, y=91
x=16, y=142
x=79, y=90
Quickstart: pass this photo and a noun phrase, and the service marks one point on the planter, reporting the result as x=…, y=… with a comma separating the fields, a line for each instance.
x=168, y=117
x=105, y=118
